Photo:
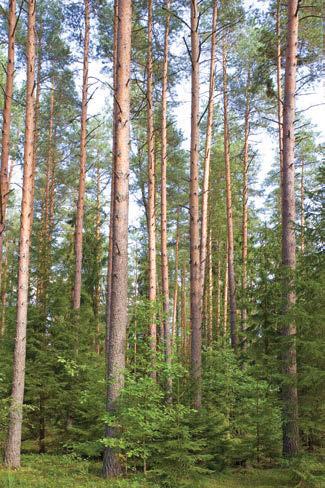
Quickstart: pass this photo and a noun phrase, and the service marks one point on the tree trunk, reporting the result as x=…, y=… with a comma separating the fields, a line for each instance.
x=5, y=143
x=119, y=286
x=245, y=216
x=110, y=238
x=175, y=298
x=151, y=195
x=225, y=296
x=195, y=285
x=12, y=451
x=279, y=84
x=207, y=151
x=210, y=293
x=96, y=299
x=183, y=314
x=83, y=160
x=218, y=300
x=230, y=231
x=289, y=387
x=302, y=208
x=164, y=254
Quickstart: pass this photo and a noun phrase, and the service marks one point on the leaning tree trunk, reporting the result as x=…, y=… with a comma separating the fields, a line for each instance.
x=5, y=143
x=164, y=254
x=230, y=231
x=119, y=285
x=207, y=151
x=289, y=386
x=83, y=157
x=245, y=217
x=195, y=276
x=151, y=195
x=13, y=446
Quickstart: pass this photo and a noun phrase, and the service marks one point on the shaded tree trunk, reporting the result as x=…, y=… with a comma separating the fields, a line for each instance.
x=302, y=208
x=225, y=296
x=83, y=160
x=175, y=298
x=5, y=142
x=279, y=84
x=230, y=231
x=289, y=386
x=119, y=285
x=195, y=276
x=218, y=299
x=13, y=446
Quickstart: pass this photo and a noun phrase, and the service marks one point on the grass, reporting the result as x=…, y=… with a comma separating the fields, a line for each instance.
x=51, y=471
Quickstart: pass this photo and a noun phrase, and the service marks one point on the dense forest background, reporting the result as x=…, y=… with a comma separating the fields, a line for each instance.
x=186, y=340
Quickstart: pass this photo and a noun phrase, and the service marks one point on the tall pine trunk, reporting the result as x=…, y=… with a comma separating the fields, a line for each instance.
x=110, y=237
x=289, y=386
x=83, y=160
x=119, y=284
x=207, y=150
x=279, y=84
x=175, y=297
x=5, y=143
x=13, y=446
x=164, y=254
x=195, y=276
x=245, y=216
x=230, y=231
x=302, y=208
x=151, y=195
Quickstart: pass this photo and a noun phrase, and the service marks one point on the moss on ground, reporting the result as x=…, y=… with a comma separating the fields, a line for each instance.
x=65, y=471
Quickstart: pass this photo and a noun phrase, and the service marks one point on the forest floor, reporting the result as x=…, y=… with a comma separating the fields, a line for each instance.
x=50, y=471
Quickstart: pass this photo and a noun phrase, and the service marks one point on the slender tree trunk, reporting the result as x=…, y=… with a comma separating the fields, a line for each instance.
x=218, y=300
x=110, y=238
x=210, y=292
x=119, y=286
x=151, y=193
x=230, y=231
x=164, y=254
x=279, y=84
x=5, y=143
x=12, y=451
x=207, y=151
x=289, y=387
x=302, y=209
x=175, y=298
x=83, y=160
x=245, y=216
x=96, y=299
x=183, y=313
x=225, y=296
x=195, y=282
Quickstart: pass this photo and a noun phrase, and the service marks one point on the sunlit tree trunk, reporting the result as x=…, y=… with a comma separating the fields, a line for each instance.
x=245, y=215
x=13, y=446
x=119, y=285
x=195, y=277
x=230, y=231
x=151, y=193
x=207, y=150
x=83, y=160
x=110, y=237
x=164, y=254
x=289, y=386
x=6, y=121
